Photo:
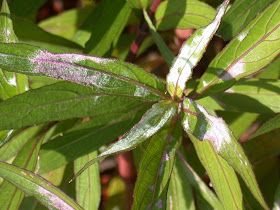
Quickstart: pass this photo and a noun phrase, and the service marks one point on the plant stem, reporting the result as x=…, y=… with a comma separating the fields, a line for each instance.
x=142, y=33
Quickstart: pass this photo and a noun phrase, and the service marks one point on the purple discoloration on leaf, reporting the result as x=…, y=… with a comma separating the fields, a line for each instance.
x=54, y=200
x=64, y=66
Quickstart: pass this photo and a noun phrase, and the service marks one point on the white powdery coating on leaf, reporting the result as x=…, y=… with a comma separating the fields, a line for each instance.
x=242, y=36
x=191, y=53
x=62, y=66
x=218, y=133
x=54, y=200
x=12, y=81
x=234, y=71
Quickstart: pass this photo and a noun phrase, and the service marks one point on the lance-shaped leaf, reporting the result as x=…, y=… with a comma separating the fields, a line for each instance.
x=183, y=14
x=180, y=195
x=88, y=189
x=152, y=121
x=10, y=196
x=62, y=101
x=155, y=169
x=254, y=95
x=34, y=185
x=87, y=138
x=163, y=48
x=223, y=178
x=14, y=143
x=270, y=125
x=239, y=15
x=108, y=75
x=196, y=182
x=10, y=83
x=204, y=126
x=191, y=53
x=255, y=47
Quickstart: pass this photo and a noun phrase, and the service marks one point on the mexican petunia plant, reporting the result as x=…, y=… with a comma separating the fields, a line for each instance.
x=199, y=140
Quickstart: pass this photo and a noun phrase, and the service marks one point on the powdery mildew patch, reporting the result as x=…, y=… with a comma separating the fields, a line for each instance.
x=54, y=200
x=62, y=66
x=234, y=71
x=217, y=132
x=191, y=53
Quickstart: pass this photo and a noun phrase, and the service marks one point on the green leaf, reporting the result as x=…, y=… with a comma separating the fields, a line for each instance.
x=222, y=176
x=109, y=75
x=27, y=8
x=183, y=14
x=66, y=23
x=38, y=187
x=62, y=101
x=276, y=205
x=272, y=124
x=139, y=4
x=196, y=182
x=254, y=95
x=180, y=194
x=271, y=71
x=88, y=189
x=155, y=169
x=209, y=128
x=164, y=50
x=152, y=121
x=110, y=21
x=190, y=54
x=10, y=196
x=239, y=15
x=7, y=34
x=15, y=142
x=63, y=150
x=30, y=33
x=10, y=83
x=255, y=47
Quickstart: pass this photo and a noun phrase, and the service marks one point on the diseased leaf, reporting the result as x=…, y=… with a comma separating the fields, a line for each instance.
x=180, y=194
x=108, y=75
x=152, y=121
x=239, y=15
x=87, y=138
x=110, y=19
x=207, y=127
x=254, y=95
x=38, y=187
x=255, y=47
x=88, y=189
x=196, y=182
x=222, y=176
x=190, y=54
x=183, y=14
x=62, y=101
x=155, y=169
x=10, y=196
